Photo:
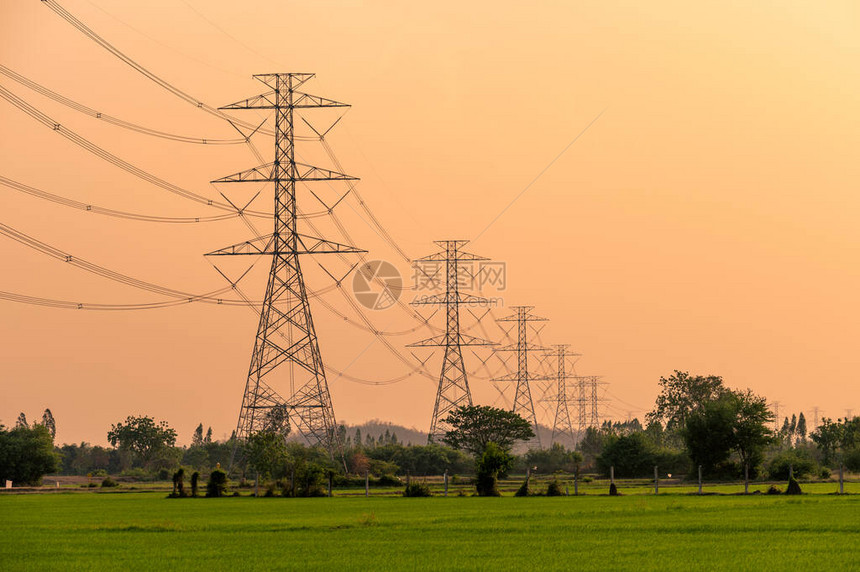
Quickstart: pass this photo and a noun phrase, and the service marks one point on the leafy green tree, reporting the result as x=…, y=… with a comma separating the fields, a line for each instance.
x=735, y=422
x=591, y=445
x=142, y=437
x=751, y=433
x=49, y=423
x=556, y=458
x=197, y=437
x=208, y=438
x=708, y=435
x=267, y=453
x=26, y=454
x=682, y=394
x=475, y=426
x=22, y=421
x=801, y=426
x=837, y=439
x=631, y=455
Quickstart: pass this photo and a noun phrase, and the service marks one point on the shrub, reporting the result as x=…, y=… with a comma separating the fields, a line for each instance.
x=852, y=460
x=493, y=462
x=524, y=490
x=92, y=485
x=108, y=482
x=179, y=483
x=389, y=481
x=416, y=489
x=99, y=473
x=554, y=489
x=613, y=490
x=163, y=474
x=195, y=477
x=793, y=487
x=779, y=468
x=217, y=484
x=773, y=490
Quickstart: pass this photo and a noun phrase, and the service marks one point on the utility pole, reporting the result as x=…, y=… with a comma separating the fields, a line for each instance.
x=453, y=390
x=286, y=375
x=523, y=403
x=562, y=424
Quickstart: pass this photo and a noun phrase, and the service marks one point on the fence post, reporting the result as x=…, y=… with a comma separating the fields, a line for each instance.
x=746, y=479
x=446, y=482
x=366, y=483
x=576, y=483
x=841, y=479
x=700, y=479
x=612, y=474
x=656, y=481
x=790, y=471
x=330, y=480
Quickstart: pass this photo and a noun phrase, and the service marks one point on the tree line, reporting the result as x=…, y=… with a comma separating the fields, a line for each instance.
x=697, y=421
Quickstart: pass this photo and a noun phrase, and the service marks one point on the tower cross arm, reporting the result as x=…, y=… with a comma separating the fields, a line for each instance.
x=269, y=100
x=301, y=172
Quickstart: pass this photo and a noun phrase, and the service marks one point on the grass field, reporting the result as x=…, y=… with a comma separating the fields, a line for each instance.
x=136, y=531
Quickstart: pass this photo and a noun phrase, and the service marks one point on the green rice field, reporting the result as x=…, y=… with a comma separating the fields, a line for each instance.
x=674, y=531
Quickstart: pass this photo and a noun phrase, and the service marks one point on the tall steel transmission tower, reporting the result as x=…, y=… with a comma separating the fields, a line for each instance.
x=587, y=395
x=453, y=390
x=562, y=425
x=286, y=377
x=523, y=403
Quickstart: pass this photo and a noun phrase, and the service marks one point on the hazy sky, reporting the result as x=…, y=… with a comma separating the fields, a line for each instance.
x=706, y=221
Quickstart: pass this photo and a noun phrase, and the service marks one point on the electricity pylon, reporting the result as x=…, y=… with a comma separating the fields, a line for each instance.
x=286, y=358
x=453, y=390
x=586, y=389
x=523, y=403
x=562, y=424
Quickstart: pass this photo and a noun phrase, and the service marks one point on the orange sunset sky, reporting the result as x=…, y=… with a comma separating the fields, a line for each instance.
x=705, y=221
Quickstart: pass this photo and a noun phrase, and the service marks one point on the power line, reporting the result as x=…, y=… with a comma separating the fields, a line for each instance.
x=80, y=108
x=27, y=189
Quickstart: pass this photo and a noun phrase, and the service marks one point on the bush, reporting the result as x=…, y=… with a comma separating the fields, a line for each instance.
x=416, y=489
x=793, y=487
x=108, y=482
x=524, y=490
x=195, y=477
x=389, y=481
x=779, y=468
x=613, y=490
x=179, y=483
x=773, y=490
x=137, y=475
x=99, y=473
x=554, y=489
x=852, y=460
x=217, y=484
x=493, y=462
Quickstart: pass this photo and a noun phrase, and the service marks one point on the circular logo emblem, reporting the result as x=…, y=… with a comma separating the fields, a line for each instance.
x=377, y=284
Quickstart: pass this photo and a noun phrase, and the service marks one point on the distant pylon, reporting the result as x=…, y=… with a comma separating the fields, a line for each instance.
x=775, y=406
x=523, y=403
x=286, y=357
x=594, y=421
x=562, y=425
x=453, y=390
